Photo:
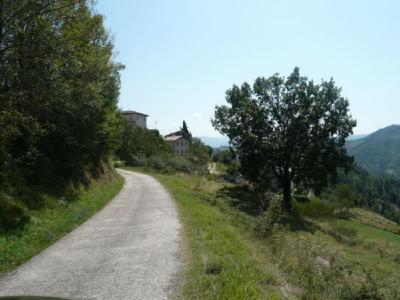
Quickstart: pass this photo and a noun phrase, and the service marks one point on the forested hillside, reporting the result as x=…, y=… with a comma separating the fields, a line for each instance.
x=379, y=152
x=378, y=193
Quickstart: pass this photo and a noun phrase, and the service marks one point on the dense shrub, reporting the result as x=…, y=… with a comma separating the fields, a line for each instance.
x=138, y=143
x=271, y=217
x=157, y=163
x=341, y=196
x=119, y=164
x=164, y=163
x=181, y=164
x=136, y=160
x=12, y=215
x=199, y=153
x=314, y=208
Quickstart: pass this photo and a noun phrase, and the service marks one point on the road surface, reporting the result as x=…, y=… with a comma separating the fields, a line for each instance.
x=129, y=250
x=212, y=168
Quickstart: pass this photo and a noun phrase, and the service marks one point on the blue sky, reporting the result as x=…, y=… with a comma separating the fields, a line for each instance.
x=181, y=56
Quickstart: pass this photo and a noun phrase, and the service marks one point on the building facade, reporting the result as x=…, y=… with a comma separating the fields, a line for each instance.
x=179, y=144
x=136, y=118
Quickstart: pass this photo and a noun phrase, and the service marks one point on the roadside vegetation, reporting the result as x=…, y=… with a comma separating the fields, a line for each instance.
x=55, y=218
x=235, y=251
x=59, y=123
x=148, y=149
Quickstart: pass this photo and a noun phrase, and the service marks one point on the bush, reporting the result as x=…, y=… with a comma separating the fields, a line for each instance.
x=136, y=160
x=118, y=164
x=341, y=196
x=181, y=164
x=265, y=223
x=165, y=163
x=12, y=215
x=314, y=208
x=157, y=163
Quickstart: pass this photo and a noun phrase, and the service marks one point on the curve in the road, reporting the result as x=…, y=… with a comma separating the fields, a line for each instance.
x=129, y=250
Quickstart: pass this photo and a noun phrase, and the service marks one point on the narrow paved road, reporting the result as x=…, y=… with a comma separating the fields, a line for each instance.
x=129, y=250
x=212, y=168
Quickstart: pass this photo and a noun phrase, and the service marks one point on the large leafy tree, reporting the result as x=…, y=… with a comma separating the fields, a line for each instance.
x=290, y=129
x=58, y=91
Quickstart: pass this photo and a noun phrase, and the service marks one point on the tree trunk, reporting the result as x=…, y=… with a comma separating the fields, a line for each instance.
x=287, y=195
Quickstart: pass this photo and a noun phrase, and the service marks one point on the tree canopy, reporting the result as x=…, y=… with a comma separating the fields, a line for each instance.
x=138, y=142
x=289, y=128
x=59, y=88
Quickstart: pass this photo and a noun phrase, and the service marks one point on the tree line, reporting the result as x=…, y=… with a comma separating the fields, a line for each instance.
x=147, y=148
x=59, y=88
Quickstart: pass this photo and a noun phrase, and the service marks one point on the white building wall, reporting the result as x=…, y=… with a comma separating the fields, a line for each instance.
x=139, y=120
x=180, y=147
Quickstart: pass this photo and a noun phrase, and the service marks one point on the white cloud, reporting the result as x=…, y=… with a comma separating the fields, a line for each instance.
x=196, y=116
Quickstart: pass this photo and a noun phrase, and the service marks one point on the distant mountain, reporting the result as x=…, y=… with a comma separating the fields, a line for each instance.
x=215, y=142
x=223, y=141
x=379, y=152
x=356, y=137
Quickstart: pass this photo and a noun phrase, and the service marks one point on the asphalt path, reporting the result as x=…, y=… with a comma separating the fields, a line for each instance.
x=128, y=250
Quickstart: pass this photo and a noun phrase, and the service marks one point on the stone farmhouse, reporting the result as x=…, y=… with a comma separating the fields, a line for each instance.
x=136, y=118
x=178, y=143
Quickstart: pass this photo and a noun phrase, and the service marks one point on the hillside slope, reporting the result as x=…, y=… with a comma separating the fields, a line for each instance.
x=379, y=152
x=230, y=255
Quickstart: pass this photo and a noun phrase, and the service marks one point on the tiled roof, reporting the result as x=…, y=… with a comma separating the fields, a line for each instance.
x=173, y=138
x=174, y=133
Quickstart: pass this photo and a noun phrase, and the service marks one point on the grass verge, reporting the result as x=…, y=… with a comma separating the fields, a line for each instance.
x=49, y=224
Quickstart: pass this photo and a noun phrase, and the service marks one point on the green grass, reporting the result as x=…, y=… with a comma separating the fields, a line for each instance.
x=373, y=219
x=367, y=232
x=317, y=258
x=49, y=224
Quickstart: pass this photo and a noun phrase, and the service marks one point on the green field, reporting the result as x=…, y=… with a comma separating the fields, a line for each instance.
x=53, y=221
x=227, y=257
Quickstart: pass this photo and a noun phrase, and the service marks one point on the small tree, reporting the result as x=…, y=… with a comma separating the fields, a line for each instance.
x=200, y=152
x=342, y=196
x=289, y=129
